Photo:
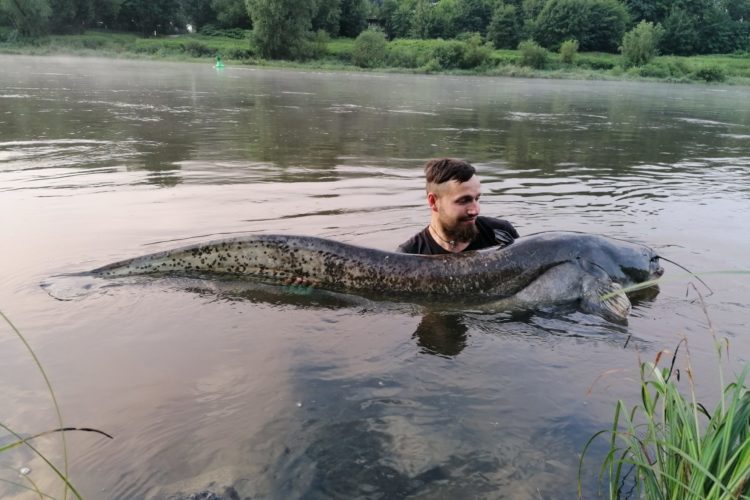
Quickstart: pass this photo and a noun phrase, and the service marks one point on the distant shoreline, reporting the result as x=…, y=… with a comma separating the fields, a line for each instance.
x=335, y=55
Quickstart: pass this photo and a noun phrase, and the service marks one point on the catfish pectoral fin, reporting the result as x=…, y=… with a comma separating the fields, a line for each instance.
x=606, y=299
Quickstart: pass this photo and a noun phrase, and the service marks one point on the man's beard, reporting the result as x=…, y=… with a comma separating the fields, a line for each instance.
x=462, y=232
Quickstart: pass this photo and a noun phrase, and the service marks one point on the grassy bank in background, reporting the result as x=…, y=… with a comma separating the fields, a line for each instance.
x=410, y=56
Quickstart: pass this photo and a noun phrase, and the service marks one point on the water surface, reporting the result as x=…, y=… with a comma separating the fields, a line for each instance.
x=299, y=395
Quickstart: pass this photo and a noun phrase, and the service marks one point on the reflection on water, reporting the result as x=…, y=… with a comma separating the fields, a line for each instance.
x=283, y=393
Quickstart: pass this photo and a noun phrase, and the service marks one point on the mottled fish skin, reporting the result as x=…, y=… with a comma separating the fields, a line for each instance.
x=489, y=274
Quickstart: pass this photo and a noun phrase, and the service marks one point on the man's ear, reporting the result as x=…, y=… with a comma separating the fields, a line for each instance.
x=432, y=201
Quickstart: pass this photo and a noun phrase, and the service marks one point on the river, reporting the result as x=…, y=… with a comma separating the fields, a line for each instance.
x=292, y=394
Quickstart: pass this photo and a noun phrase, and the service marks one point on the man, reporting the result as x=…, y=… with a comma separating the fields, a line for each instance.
x=453, y=193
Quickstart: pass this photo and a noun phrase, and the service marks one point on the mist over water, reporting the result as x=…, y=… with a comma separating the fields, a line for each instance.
x=299, y=394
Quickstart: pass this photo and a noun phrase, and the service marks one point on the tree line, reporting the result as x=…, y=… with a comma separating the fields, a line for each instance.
x=281, y=28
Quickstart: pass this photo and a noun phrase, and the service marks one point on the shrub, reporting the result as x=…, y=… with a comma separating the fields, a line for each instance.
x=369, y=49
x=653, y=70
x=568, y=51
x=197, y=49
x=710, y=74
x=598, y=25
x=450, y=54
x=475, y=52
x=640, y=45
x=317, y=46
x=532, y=54
x=237, y=53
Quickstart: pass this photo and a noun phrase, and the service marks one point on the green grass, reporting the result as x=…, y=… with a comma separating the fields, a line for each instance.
x=669, y=446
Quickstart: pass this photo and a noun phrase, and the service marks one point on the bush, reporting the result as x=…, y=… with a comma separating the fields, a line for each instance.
x=532, y=54
x=568, y=51
x=237, y=53
x=652, y=70
x=475, y=52
x=586, y=61
x=211, y=30
x=197, y=49
x=369, y=49
x=710, y=74
x=598, y=25
x=449, y=54
x=408, y=53
x=317, y=46
x=640, y=45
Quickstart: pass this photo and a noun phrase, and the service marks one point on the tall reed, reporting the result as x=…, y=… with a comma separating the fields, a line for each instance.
x=669, y=446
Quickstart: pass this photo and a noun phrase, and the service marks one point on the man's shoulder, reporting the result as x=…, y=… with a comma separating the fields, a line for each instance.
x=416, y=244
x=493, y=223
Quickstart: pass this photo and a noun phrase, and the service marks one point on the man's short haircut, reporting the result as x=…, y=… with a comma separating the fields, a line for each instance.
x=440, y=170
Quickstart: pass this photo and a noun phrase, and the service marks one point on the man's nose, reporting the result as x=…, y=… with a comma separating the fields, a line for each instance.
x=474, y=208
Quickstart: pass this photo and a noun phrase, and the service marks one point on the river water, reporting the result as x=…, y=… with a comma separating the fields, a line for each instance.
x=294, y=394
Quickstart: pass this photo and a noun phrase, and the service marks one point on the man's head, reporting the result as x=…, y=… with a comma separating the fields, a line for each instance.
x=453, y=193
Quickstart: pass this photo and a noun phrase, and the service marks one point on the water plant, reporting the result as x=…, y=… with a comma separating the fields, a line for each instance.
x=670, y=446
x=26, y=441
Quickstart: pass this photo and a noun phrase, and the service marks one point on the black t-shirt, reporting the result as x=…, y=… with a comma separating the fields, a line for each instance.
x=491, y=232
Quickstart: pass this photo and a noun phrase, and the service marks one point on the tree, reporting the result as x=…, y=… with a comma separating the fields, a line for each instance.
x=231, y=13
x=106, y=11
x=680, y=33
x=649, y=10
x=397, y=17
x=422, y=23
x=147, y=16
x=71, y=16
x=29, y=17
x=444, y=15
x=353, y=17
x=641, y=44
x=328, y=17
x=738, y=10
x=473, y=16
x=505, y=27
x=281, y=27
x=198, y=12
x=596, y=24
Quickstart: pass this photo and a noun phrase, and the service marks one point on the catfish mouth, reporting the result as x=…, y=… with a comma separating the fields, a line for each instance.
x=655, y=269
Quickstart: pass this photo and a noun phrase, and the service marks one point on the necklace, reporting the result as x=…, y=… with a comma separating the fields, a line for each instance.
x=433, y=231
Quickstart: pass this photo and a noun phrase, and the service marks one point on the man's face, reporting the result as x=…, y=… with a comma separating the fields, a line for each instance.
x=457, y=206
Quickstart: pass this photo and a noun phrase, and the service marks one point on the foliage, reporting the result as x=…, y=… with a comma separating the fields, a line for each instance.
x=568, y=51
x=473, y=16
x=29, y=17
x=211, y=30
x=369, y=49
x=281, y=27
x=147, y=17
x=670, y=446
x=711, y=73
x=640, y=45
x=598, y=25
x=533, y=55
x=328, y=17
x=231, y=14
x=505, y=26
x=680, y=33
x=353, y=19
x=476, y=53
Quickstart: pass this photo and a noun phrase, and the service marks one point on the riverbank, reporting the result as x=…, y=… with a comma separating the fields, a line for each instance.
x=403, y=56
